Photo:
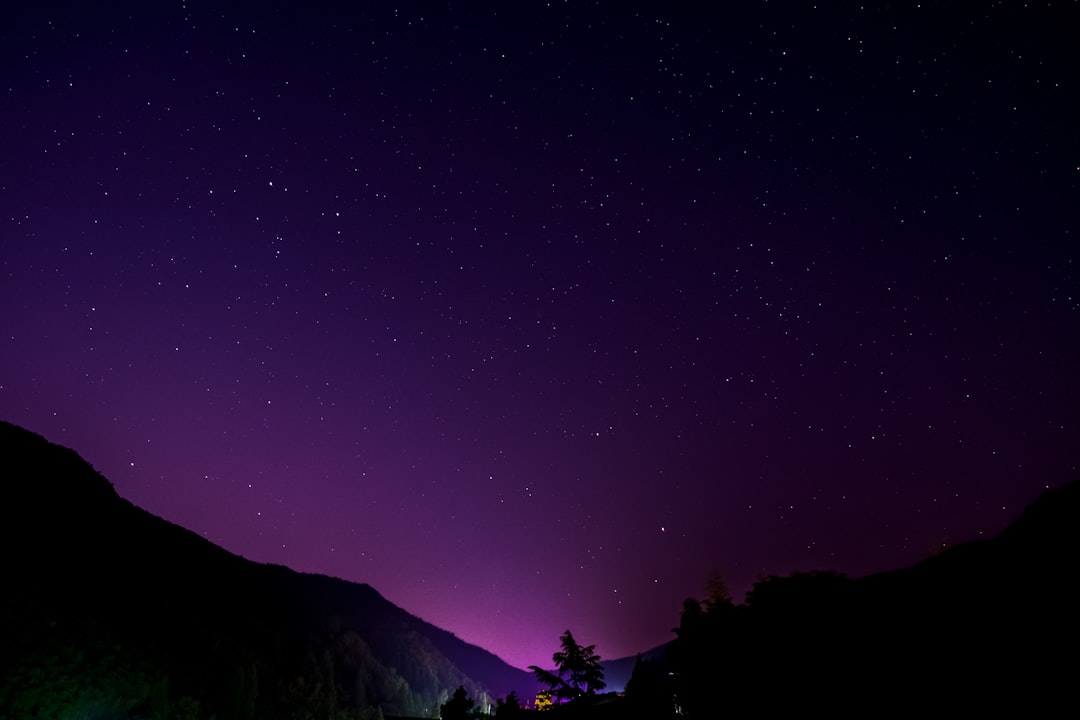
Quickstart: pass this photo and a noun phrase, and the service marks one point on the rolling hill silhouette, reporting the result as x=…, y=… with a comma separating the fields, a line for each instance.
x=985, y=627
x=112, y=611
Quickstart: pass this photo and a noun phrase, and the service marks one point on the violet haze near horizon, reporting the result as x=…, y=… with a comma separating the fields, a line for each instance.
x=531, y=315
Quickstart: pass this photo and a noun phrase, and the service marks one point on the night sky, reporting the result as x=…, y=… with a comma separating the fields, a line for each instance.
x=533, y=314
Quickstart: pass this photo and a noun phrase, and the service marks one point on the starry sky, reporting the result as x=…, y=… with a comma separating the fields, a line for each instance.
x=532, y=315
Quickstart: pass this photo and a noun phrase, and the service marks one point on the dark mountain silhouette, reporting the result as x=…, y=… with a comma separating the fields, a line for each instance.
x=988, y=626
x=109, y=611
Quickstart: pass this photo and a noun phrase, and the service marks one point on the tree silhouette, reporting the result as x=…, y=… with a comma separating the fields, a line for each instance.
x=509, y=708
x=458, y=707
x=800, y=592
x=716, y=591
x=578, y=671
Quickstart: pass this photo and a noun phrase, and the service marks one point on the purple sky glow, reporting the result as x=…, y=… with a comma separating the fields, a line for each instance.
x=533, y=314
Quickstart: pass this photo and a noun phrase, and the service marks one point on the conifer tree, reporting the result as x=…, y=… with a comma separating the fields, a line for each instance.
x=578, y=670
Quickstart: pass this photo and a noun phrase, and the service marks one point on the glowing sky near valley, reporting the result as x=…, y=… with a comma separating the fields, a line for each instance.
x=533, y=314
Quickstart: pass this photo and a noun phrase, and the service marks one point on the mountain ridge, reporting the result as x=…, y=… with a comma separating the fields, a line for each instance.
x=114, y=612
x=65, y=528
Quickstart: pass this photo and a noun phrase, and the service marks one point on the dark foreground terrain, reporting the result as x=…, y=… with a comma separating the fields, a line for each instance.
x=110, y=612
